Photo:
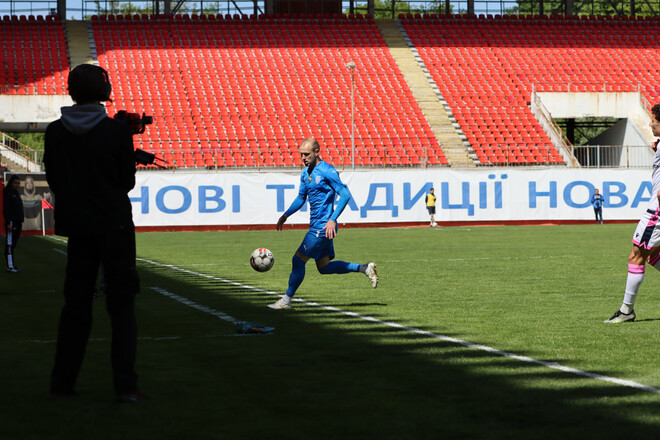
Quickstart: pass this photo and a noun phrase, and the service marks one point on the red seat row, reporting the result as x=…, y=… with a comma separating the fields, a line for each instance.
x=266, y=86
x=486, y=67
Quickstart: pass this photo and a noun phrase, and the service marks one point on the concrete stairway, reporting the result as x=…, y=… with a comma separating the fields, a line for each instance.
x=77, y=37
x=427, y=94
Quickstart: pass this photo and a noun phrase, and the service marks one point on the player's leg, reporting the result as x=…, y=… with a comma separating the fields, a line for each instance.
x=636, y=268
x=645, y=241
x=654, y=258
x=326, y=265
x=295, y=280
x=10, y=245
x=297, y=275
x=8, y=255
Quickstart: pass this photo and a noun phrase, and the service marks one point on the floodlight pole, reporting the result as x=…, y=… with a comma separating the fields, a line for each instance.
x=351, y=66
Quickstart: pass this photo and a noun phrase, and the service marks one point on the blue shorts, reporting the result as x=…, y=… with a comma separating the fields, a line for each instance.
x=315, y=245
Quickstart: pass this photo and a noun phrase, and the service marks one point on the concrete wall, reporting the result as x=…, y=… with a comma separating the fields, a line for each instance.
x=600, y=104
x=29, y=112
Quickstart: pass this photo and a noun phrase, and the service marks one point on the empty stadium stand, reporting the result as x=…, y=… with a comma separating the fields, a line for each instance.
x=237, y=91
x=33, y=56
x=243, y=91
x=487, y=67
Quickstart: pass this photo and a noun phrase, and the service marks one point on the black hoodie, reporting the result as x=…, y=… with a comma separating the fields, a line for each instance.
x=12, y=208
x=90, y=167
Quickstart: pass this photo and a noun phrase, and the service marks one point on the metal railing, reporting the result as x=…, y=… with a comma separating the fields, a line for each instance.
x=613, y=156
x=16, y=154
x=218, y=159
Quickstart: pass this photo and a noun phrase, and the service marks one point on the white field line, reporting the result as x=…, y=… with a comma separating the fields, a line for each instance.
x=194, y=305
x=491, y=350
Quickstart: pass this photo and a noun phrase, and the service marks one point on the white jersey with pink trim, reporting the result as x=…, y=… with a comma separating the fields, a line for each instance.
x=653, y=203
x=647, y=234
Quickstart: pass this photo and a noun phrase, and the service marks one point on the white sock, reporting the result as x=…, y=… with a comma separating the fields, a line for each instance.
x=635, y=278
x=286, y=299
x=626, y=308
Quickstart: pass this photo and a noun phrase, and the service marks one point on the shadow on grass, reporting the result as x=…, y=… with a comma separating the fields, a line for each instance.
x=322, y=375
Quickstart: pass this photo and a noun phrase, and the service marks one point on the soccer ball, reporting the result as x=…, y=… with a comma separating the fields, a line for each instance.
x=262, y=260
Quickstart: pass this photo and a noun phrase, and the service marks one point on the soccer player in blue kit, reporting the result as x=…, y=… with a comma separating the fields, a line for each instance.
x=320, y=183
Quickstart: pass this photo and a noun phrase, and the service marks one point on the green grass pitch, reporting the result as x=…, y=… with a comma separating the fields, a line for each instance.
x=357, y=364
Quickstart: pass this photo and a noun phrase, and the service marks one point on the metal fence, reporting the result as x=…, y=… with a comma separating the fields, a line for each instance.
x=613, y=156
x=88, y=8
x=206, y=159
x=15, y=155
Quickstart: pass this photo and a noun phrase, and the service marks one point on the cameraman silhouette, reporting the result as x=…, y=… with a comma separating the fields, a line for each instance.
x=90, y=167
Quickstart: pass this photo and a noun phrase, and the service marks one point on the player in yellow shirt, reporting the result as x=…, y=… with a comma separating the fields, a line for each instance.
x=430, y=206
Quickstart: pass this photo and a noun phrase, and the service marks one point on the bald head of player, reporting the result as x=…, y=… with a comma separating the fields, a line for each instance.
x=309, y=152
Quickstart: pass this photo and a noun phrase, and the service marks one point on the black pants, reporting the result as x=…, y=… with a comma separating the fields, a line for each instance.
x=116, y=252
x=13, y=231
x=599, y=213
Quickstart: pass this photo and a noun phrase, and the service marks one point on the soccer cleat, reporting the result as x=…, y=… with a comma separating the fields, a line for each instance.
x=619, y=316
x=13, y=269
x=372, y=274
x=280, y=304
x=134, y=397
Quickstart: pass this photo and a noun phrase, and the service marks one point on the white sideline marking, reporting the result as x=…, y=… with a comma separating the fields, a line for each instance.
x=195, y=305
x=491, y=350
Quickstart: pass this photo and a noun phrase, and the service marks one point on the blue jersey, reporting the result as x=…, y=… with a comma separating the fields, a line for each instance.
x=597, y=201
x=321, y=187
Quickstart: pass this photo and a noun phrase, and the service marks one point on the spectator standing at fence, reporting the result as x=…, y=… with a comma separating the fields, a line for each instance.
x=12, y=210
x=597, y=203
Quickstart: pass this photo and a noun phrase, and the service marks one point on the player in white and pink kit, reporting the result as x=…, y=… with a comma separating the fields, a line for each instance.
x=646, y=241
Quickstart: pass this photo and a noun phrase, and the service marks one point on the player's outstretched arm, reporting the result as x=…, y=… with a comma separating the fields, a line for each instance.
x=280, y=222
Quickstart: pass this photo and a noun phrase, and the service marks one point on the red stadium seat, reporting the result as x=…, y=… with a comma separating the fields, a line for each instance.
x=228, y=94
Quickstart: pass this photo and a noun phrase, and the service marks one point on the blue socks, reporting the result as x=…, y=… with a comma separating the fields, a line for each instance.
x=298, y=272
x=297, y=275
x=339, y=267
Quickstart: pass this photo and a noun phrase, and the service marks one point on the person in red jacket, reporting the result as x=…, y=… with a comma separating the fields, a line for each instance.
x=90, y=168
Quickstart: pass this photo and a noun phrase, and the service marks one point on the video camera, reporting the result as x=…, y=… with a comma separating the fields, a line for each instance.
x=137, y=125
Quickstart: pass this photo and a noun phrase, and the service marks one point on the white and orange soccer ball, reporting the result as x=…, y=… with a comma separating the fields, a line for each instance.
x=262, y=260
